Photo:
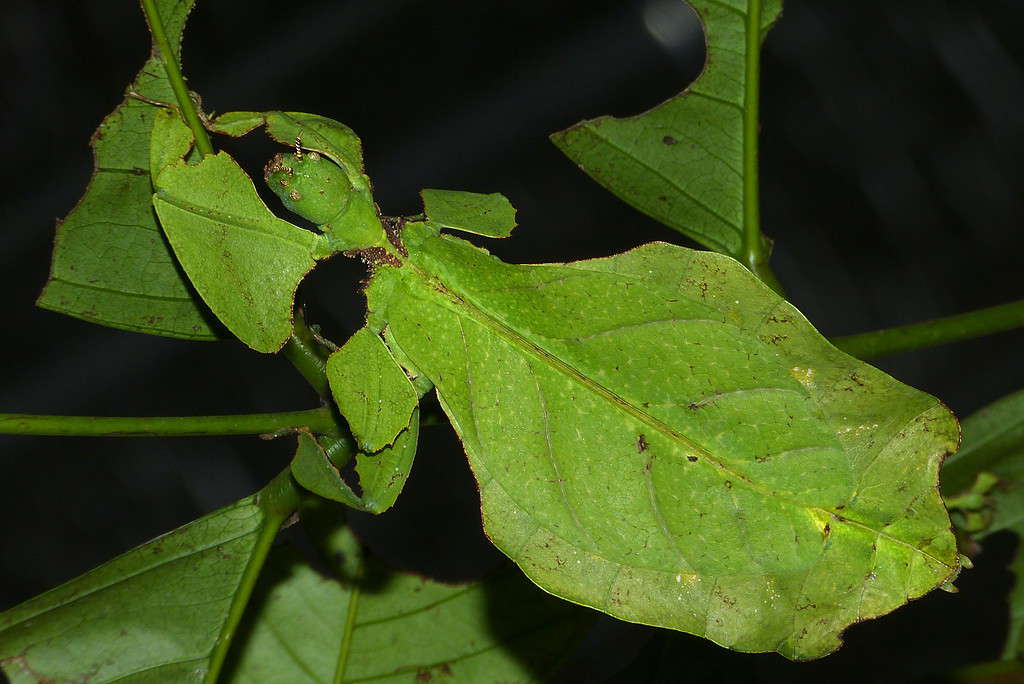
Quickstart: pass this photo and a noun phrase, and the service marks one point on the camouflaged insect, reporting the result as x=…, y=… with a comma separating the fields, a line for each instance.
x=309, y=185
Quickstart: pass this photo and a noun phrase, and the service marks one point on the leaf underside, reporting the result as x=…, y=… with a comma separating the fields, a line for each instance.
x=682, y=162
x=111, y=265
x=659, y=436
x=406, y=628
x=153, y=614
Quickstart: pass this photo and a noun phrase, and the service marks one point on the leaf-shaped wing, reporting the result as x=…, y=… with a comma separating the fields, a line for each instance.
x=660, y=436
x=245, y=262
x=689, y=161
x=111, y=265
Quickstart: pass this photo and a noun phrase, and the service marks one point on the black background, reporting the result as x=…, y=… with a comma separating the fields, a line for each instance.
x=890, y=182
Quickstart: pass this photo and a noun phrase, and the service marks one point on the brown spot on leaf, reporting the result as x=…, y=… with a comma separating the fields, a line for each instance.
x=669, y=140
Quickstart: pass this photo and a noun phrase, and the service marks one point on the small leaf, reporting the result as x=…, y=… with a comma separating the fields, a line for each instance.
x=993, y=442
x=684, y=163
x=371, y=390
x=658, y=435
x=155, y=613
x=401, y=628
x=471, y=212
x=245, y=262
x=382, y=475
x=111, y=264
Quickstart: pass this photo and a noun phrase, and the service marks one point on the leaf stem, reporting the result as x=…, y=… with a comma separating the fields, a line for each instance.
x=279, y=499
x=305, y=354
x=350, y=626
x=755, y=249
x=934, y=332
x=162, y=51
x=318, y=420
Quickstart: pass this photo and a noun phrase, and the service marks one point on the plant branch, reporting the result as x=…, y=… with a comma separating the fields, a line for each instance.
x=317, y=420
x=932, y=333
x=756, y=250
x=163, y=51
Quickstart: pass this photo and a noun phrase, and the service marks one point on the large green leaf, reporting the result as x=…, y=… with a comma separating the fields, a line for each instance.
x=691, y=161
x=374, y=624
x=111, y=265
x=245, y=262
x=658, y=435
x=163, y=612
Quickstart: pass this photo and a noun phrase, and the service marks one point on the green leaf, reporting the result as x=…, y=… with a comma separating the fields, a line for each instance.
x=245, y=262
x=690, y=162
x=471, y=212
x=658, y=435
x=382, y=475
x=154, y=614
x=993, y=442
x=373, y=624
x=371, y=390
x=111, y=265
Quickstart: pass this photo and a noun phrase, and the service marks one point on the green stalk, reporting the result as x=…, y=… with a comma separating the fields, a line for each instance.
x=279, y=500
x=932, y=333
x=755, y=251
x=350, y=626
x=317, y=420
x=162, y=50
x=304, y=353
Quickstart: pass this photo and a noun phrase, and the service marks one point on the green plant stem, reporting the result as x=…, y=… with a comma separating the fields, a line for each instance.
x=932, y=333
x=755, y=248
x=279, y=500
x=350, y=626
x=318, y=420
x=170, y=61
x=304, y=353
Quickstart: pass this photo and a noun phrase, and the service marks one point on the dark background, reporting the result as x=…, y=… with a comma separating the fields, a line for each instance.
x=892, y=136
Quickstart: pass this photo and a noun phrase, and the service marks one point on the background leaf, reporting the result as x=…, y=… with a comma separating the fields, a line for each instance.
x=659, y=436
x=682, y=162
x=245, y=262
x=993, y=442
x=111, y=265
x=402, y=628
x=153, y=614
